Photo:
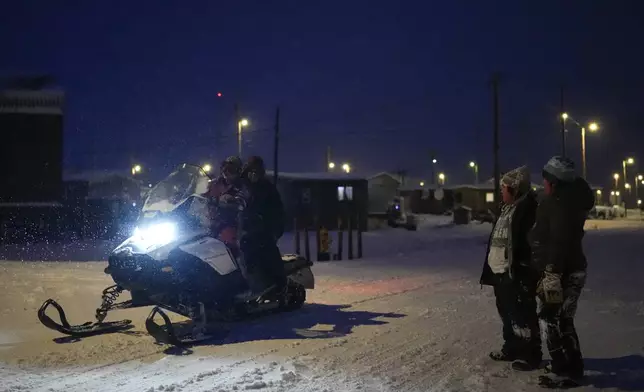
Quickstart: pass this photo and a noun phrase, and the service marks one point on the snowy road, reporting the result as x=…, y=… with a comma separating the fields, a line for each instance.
x=409, y=317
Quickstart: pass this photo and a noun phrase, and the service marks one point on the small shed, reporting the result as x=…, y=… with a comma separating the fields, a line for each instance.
x=324, y=199
x=383, y=188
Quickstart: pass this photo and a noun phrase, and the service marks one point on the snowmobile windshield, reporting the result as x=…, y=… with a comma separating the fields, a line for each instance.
x=167, y=195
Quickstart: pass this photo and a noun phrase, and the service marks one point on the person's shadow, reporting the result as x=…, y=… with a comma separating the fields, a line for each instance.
x=333, y=320
x=622, y=373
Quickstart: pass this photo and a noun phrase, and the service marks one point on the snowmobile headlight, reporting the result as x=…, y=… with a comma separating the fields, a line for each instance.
x=155, y=235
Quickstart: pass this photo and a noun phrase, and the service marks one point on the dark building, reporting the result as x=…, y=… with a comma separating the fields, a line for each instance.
x=323, y=198
x=31, y=162
x=31, y=150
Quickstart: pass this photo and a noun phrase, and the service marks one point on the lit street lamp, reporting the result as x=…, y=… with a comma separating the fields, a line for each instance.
x=207, y=167
x=475, y=167
x=434, y=162
x=240, y=124
x=627, y=161
x=592, y=127
x=422, y=183
x=136, y=169
x=441, y=178
x=331, y=165
x=346, y=167
x=616, y=178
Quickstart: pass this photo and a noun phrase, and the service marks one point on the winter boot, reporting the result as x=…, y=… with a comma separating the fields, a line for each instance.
x=503, y=355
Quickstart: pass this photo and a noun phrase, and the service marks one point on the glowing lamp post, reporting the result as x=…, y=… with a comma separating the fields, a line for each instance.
x=475, y=167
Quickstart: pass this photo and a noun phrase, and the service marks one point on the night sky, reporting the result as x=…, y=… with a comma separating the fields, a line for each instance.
x=383, y=83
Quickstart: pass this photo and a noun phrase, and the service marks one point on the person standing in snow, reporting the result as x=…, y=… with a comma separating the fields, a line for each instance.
x=507, y=269
x=558, y=257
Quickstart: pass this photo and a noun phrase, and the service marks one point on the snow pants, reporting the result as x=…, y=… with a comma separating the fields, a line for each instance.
x=264, y=260
x=517, y=306
x=557, y=322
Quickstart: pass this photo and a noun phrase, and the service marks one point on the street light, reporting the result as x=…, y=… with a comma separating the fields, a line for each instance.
x=627, y=186
x=592, y=127
x=422, y=183
x=331, y=165
x=599, y=192
x=346, y=167
x=136, y=169
x=240, y=124
x=206, y=167
x=434, y=160
x=475, y=167
x=441, y=178
x=616, y=178
x=627, y=161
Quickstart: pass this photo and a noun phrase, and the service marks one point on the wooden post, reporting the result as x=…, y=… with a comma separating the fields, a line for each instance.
x=340, y=239
x=350, y=236
x=296, y=236
x=359, y=234
x=317, y=238
x=307, y=249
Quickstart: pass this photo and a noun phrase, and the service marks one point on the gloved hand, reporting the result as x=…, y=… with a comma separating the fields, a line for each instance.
x=550, y=288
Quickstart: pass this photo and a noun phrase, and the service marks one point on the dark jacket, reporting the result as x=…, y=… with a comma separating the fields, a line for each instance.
x=265, y=212
x=559, y=228
x=522, y=221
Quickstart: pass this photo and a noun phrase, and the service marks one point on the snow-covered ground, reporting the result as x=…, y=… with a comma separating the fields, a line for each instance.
x=409, y=316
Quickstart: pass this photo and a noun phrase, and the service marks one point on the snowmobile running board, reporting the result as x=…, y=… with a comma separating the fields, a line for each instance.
x=82, y=330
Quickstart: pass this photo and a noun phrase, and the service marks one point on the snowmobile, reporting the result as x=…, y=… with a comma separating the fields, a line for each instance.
x=173, y=263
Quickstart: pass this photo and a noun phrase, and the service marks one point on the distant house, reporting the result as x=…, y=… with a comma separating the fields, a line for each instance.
x=383, y=187
x=111, y=201
x=323, y=199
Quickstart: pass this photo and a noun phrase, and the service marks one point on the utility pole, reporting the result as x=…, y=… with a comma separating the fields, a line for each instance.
x=276, y=145
x=562, y=110
x=433, y=158
x=238, y=130
x=497, y=170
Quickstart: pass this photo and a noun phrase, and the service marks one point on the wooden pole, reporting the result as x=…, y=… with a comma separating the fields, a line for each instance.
x=276, y=145
x=340, y=238
x=359, y=234
x=497, y=170
x=350, y=236
x=307, y=248
x=317, y=238
x=296, y=236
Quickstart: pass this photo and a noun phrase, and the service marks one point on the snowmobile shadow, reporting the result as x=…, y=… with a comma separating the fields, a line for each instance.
x=75, y=339
x=332, y=321
x=622, y=373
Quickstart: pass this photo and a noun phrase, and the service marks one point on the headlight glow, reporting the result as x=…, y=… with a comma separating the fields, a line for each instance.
x=158, y=234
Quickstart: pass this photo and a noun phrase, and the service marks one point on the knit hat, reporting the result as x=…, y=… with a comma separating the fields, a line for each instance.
x=560, y=168
x=255, y=164
x=518, y=179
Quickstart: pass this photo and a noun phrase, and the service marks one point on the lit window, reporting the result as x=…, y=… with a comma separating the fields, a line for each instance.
x=345, y=193
x=489, y=197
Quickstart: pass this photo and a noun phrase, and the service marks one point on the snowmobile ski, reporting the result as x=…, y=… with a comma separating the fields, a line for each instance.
x=82, y=330
x=558, y=382
x=167, y=333
x=89, y=328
